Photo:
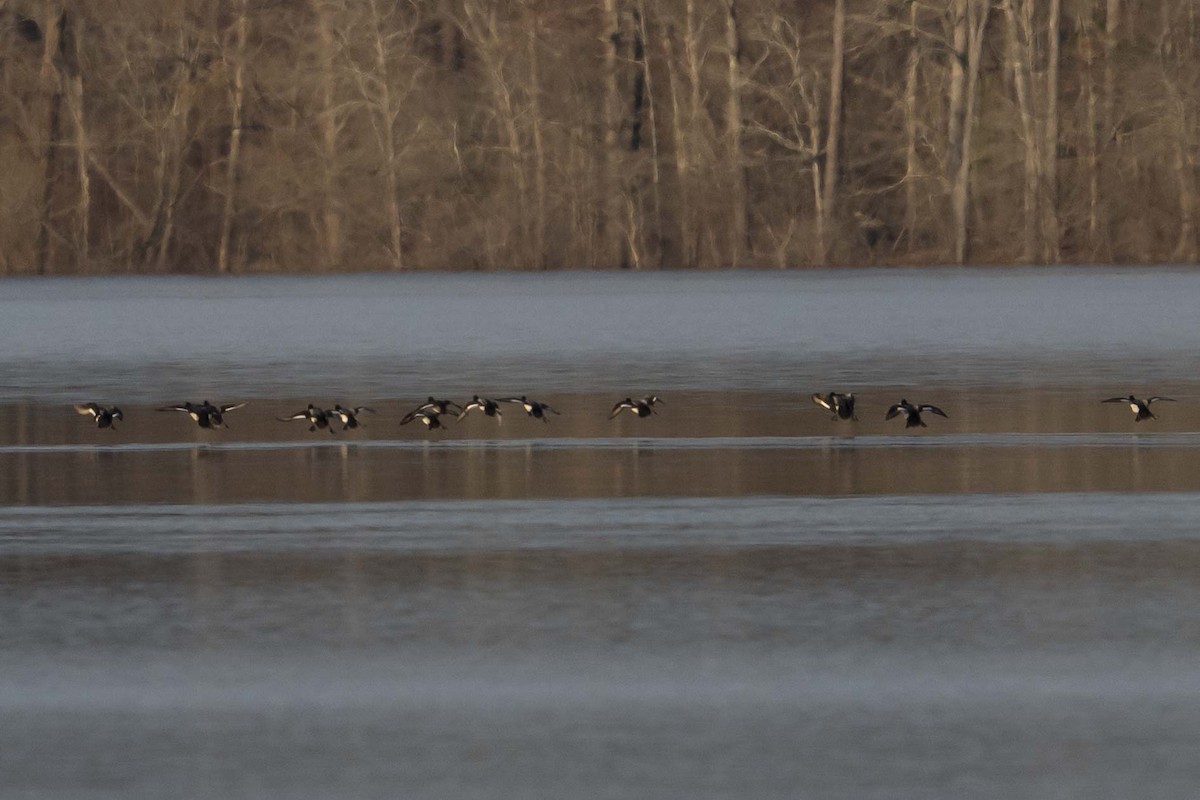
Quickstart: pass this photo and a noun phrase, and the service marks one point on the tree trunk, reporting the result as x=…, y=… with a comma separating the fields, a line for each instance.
x=739, y=228
x=651, y=118
x=387, y=141
x=73, y=72
x=539, y=150
x=54, y=24
x=1087, y=56
x=1020, y=52
x=1049, y=203
x=694, y=136
x=834, y=126
x=331, y=220
x=1112, y=22
x=237, y=99
x=173, y=163
x=683, y=214
x=976, y=12
x=611, y=248
x=911, y=165
x=957, y=89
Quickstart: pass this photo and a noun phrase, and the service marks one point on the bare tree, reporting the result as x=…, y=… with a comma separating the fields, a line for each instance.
x=611, y=190
x=54, y=22
x=971, y=17
x=534, y=90
x=73, y=76
x=329, y=122
x=235, y=64
x=837, y=64
x=679, y=122
x=791, y=118
x=738, y=224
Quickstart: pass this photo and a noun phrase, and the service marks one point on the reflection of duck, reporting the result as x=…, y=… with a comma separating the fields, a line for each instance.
x=490, y=408
x=1140, y=408
x=438, y=407
x=348, y=416
x=532, y=407
x=317, y=418
x=912, y=413
x=103, y=415
x=205, y=414
x=842, y=405
x=642, y=408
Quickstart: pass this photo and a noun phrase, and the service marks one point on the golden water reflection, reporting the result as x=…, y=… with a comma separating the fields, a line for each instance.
x=700, y=445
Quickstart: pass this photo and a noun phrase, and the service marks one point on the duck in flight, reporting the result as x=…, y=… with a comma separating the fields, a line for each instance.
x=430, y=419
x=532, y=407
x=438, y=407
x=1140, y=408
x=348, y=416
x=205, y=414
x=912, y=413
x=642, y=408
x=842, y=405
x=490, y=408
x=316, y=417
x=103, y=415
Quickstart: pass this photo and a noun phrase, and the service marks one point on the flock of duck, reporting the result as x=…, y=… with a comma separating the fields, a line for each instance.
x=432, y=411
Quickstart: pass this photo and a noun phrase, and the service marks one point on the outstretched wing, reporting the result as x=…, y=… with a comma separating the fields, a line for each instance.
x=232, y=406
x=1116, y=400
x=1156, y=398
x=361, y=409
x=551, y=410
x=176, y=408
x=410, y=416
x=297, y=415
x=821, y=401
x=892, y=411
x=89, y=409
x=617, y=409
x=932, y=410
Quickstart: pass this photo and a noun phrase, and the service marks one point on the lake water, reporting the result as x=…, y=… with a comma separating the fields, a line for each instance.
x=735, y=598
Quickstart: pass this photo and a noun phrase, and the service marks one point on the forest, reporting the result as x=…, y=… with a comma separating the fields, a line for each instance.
x=234, y=136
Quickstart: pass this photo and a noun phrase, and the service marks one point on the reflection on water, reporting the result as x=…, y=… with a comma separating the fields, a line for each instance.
x=705, y=648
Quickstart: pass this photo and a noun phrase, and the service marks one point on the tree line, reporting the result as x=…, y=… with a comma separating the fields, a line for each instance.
x=226, y=136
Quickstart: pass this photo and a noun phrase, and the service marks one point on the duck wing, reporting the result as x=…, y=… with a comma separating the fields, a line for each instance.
x=361, y=409
x=88, y=409
x=1157, y=398
x=230, y=407
x=895, y=410
x=822, y=401
x=1116, y=400
x=297, y=415
x=185, y=408
x=932, y=410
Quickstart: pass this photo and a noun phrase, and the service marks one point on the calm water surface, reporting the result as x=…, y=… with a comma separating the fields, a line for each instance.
x=145, y=339
x=736, y=598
